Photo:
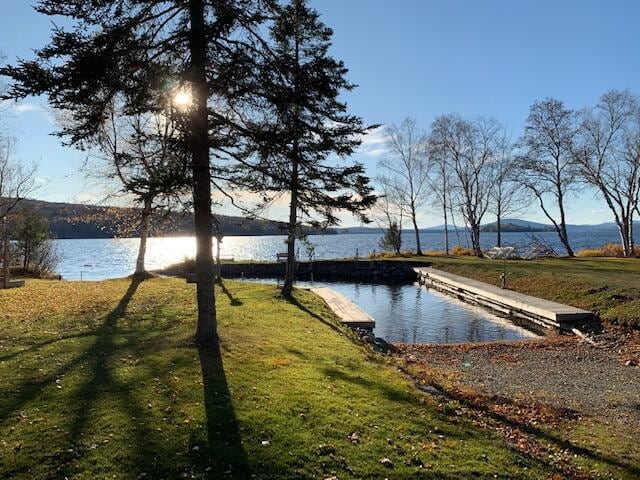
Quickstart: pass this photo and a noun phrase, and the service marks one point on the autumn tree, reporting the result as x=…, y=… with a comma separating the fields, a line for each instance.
x=17, y=180
x=388, y=214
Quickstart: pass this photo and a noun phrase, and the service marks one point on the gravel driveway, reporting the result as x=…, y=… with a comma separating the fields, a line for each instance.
x=559, y=371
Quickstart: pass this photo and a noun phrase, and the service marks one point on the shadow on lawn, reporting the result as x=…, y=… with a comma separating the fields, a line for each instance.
x=225, y=455
x=234, y=301
x=103, y=389
x=294, y=301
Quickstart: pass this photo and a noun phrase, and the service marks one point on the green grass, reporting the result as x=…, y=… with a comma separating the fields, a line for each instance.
x=99, y=380
x=610, y=286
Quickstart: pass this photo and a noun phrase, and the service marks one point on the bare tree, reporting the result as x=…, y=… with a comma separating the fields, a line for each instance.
x=508, y=196
x=407, y=169
x=608, y=157
x=17, y=180
x=440, y=186
x=469, y=148
x=142, y=153
x=548, y=169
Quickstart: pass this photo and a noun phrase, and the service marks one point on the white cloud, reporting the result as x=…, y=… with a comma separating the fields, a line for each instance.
x=21, y=108
x=26, y=107
x=374, y=144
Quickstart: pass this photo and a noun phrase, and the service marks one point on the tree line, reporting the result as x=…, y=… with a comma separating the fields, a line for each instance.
x=469, y=168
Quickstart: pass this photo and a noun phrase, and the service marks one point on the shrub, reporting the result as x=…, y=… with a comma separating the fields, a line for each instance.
x=459, y=250
x=404, y=254
x=608, y=250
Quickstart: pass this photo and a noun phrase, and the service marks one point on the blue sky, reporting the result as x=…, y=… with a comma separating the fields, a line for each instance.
x=417, y=58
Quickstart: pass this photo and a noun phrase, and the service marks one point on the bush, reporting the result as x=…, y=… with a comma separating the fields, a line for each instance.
x=404, y=254
x=459, y=250
x=609, y=250
x=44, y=260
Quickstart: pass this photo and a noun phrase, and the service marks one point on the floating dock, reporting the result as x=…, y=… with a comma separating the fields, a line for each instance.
x=542, y=312
x=350, y=314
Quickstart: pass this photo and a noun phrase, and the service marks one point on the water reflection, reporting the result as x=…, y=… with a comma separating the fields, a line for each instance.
x=413, y=314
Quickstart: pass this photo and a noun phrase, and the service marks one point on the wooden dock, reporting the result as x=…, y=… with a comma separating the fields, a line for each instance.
x=350, y=314
x=542, y=312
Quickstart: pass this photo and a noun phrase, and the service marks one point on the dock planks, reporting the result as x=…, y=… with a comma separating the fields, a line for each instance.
x=350, y=314
x=545, y=312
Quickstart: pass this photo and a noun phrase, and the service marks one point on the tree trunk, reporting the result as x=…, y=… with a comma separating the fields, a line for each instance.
x=144, y=234
x=291, y=238
x=475, y=240
x=564, y=237
x=623, y=230
x=5, y=260
x=415, y=228
x=632, y=243
x=206, y=332
x=446, y=226
x=499, y=228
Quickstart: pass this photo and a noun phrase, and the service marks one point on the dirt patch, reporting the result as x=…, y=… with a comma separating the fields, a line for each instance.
x=534, y=392
x=559, y=371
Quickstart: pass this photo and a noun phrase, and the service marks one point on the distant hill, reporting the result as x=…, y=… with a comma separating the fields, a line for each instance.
x=73, y=220
x=508, y=225
x=516, y=225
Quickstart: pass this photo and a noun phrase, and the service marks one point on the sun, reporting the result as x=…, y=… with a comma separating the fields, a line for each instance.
x=183, y=99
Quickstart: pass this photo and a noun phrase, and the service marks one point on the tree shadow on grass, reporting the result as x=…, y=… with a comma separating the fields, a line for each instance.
x=102, y=387
x=294, y=301
x=146, y=449
x=225, y=454
x=234, y=301
x=392, y=393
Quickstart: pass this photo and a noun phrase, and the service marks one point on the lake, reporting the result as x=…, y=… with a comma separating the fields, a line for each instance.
x=411, y=313
x=97, y=259
x=403, y=313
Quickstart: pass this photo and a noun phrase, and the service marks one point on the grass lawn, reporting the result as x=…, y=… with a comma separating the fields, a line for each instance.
x=99, y=380
x=608, y=285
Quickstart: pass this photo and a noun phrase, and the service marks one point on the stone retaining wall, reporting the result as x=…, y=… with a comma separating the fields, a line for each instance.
x=387, y=271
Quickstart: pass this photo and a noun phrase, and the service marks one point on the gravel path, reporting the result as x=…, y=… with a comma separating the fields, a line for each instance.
x=559, y=371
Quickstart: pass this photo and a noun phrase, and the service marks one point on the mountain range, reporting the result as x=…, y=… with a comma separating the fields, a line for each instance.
x=76, y=220
x=508, y=225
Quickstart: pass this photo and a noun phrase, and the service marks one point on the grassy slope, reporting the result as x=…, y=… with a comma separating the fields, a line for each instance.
x=99, y=380
x=608, y=285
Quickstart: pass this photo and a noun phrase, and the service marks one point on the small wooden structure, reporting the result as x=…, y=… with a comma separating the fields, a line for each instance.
x=282, y=256
x=350, y=314
x=7, y=263
x=537, y=310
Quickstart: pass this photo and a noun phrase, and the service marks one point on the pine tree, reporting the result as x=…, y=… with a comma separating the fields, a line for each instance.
x=306, y=131
x=145, y=51
x=392, y=239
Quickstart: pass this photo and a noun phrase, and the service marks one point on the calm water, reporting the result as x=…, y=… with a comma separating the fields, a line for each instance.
x=413, y=314
x=97, y=259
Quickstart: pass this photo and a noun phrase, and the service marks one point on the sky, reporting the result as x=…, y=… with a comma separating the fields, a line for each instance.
x=409, y=58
